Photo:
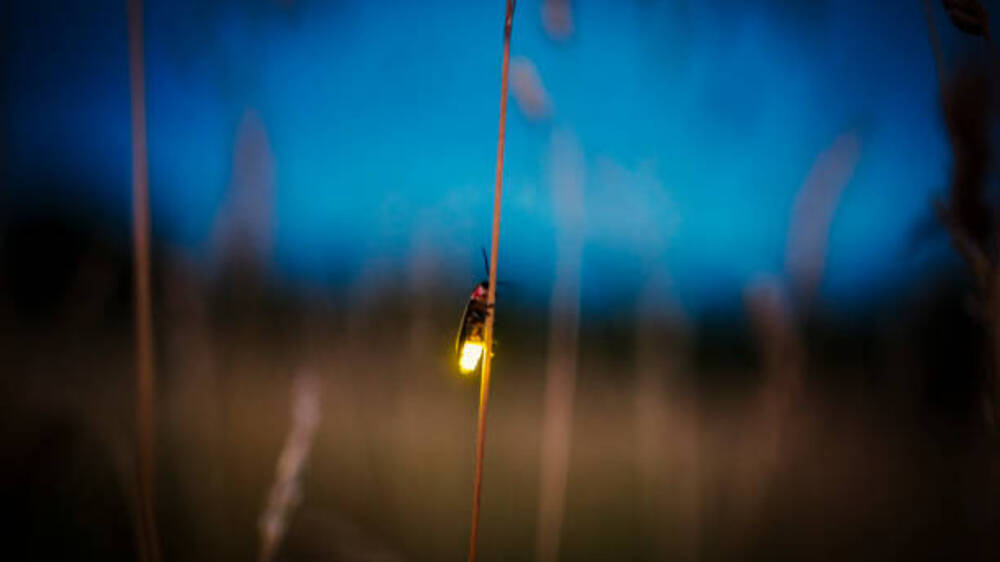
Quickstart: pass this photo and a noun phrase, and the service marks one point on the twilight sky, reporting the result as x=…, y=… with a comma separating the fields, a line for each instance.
x=692, y=125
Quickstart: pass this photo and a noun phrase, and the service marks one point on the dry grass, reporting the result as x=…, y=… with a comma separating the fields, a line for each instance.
x=145, y=376
x=969, y=215
x=567, y=178
x=660, y=469
x=286, y=492
x=390, y=470
x=484, y=392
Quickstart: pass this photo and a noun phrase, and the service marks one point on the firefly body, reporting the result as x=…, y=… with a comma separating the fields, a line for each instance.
x=471, y=339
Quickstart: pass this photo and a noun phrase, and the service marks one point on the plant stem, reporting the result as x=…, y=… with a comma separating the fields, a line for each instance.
x=983, y=268
x=141, y=278
x=484, y=389
x=566, y=162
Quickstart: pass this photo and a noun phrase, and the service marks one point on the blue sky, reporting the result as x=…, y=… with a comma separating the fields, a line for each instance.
x=697, y=123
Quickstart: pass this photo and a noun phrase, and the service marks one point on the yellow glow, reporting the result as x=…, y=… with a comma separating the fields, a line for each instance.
x=471, y=352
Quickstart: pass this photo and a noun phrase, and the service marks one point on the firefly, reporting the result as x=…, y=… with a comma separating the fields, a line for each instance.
x=470, y=343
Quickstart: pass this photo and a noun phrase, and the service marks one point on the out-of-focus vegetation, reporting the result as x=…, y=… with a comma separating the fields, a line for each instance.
x=328, y=419
x=684, y=445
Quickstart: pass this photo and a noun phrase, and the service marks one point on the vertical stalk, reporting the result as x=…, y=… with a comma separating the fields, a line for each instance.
x=566, y=162
x=140, y=273
x=984, y=268
x=484, y=389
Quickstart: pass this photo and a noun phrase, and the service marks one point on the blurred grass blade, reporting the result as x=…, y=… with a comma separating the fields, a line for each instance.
x=145, y=377
x=969, y=16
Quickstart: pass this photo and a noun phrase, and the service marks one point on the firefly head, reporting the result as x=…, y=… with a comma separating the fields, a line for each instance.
x=481, y=291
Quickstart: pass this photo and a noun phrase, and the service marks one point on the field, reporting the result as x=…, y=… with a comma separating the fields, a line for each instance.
x=683, y=445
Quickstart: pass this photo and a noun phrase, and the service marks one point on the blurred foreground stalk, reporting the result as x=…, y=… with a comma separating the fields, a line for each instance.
x=145, y=378
x=970, y=216
x=286, y=492
x=564, y=319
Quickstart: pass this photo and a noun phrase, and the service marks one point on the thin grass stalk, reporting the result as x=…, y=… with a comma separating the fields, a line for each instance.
x=484, y=388
x=777, y=326
x=982, y=261
x=564, y=321
x=812, y=216
x=666, y=426
x=772, y=417
x=286, y=491
x=141, y=278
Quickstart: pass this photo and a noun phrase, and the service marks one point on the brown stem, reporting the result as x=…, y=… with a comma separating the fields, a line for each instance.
x=484, y=389
x=561, y=365
x=140, y=273
x=985, y=271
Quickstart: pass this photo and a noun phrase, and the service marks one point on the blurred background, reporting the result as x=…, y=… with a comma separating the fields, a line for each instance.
x=749, y=250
